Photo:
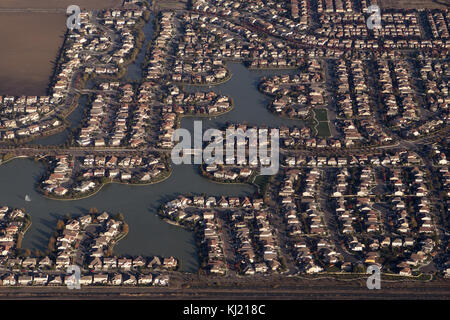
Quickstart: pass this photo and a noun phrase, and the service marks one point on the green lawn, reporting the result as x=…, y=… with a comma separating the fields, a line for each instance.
x=321, y=114
x=323, y=129
x=261, y=182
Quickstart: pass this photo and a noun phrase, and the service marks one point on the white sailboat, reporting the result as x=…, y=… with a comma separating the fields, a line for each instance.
x=27, y=198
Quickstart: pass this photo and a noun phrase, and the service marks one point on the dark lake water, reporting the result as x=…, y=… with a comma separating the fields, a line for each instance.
x=134, y=72
x=250, y=105
x=148, y=234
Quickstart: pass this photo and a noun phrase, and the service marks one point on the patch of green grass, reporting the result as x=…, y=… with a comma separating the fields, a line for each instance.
x=321, y=114
x=261, y=182
x=323, y=129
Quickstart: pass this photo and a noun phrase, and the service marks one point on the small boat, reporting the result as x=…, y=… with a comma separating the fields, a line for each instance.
x=27, y=198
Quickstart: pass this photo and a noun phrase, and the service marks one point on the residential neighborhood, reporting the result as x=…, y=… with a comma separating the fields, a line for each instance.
x=357, y=117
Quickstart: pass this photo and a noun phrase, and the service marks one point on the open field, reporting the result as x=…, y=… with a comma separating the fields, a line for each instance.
x=30, y=44
x=415, y=4
x=59, y=4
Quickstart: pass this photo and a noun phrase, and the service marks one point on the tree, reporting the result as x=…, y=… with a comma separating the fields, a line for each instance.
x=93, y=211
x=109, y=252
x=413, y=223
x=51, y=244
x=60, y=225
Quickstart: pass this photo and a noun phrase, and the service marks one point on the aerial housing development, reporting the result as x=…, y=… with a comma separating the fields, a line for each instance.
x=362, y=116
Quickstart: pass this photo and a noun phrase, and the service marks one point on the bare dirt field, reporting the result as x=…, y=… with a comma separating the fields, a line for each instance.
x=59, y=4
x=415, y=4
x=29, y=46
x=30, y=42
